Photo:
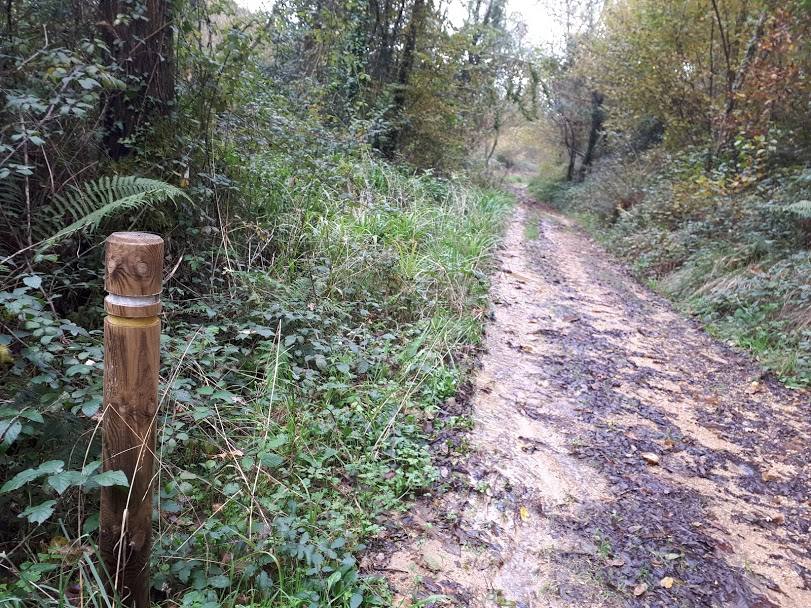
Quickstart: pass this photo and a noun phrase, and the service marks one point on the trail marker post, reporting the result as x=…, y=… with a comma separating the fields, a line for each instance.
x=132, y=278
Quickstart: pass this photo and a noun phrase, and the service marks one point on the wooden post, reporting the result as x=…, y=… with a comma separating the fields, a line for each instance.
x=133, y=275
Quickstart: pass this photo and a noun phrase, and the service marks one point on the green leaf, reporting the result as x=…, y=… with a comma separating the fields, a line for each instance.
x=32, y=415
x=20, y=479
x=62, y=481
x=221, y=581
x=276, y=441
x=321, y=362
x=91, y=406
x=91, y=524
x=87, y=83
x=111, y=478
x=333, y=578
x=356, y=599
x=33, y=281
x=90, y=467
x=36, y=514
x=271, y=459
x=10, y=431
x=51, y=466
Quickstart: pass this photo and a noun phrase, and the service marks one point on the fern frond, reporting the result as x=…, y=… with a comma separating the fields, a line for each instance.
x=102, y=198
x=801, y=209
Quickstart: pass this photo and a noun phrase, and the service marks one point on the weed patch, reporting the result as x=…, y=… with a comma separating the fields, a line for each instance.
x=293, y=392
x=731, y=251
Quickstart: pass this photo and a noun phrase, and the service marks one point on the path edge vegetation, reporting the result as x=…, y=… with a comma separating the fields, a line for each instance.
x=682, y=145
x=326, y=280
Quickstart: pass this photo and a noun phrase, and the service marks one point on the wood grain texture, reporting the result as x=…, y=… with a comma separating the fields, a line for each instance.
x=134, y=264
x=131, y=367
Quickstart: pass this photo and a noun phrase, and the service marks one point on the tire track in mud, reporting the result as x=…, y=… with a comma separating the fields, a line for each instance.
x=620, y=456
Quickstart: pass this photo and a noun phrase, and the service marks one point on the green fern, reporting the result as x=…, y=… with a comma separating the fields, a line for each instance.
x=801, y=209
x=87, y=206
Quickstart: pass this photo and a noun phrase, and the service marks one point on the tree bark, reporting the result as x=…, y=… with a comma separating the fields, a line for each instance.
x=403, y=77
x=596, y=130
x=143, y=47
x=724, y=131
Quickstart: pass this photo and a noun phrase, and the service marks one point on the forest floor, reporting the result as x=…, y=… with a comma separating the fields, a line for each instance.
x=619, y=455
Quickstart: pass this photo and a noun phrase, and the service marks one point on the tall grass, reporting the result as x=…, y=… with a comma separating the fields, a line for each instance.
x=295, y=391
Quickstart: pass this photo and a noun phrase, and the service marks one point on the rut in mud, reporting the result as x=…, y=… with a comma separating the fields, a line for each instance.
x=620, y=456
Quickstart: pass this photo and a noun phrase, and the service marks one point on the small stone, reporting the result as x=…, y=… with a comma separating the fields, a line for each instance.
x=770, y=475
x=431, y=560
x=650, y=458
x=640, y=589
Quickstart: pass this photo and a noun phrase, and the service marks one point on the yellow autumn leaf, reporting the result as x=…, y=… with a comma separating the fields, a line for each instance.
x=5, y=354
x=523, y=513
x=667, y=582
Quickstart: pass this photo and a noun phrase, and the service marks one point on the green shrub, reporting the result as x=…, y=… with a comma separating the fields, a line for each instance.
x=731, y=249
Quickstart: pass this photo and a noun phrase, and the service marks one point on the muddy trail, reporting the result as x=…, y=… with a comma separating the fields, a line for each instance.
x=619, y=455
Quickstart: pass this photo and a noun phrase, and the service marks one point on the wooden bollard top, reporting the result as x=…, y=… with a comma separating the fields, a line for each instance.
x=133, y=270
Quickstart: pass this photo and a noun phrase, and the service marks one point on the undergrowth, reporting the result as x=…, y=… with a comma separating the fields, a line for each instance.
x=302, y=351
x=729, y=245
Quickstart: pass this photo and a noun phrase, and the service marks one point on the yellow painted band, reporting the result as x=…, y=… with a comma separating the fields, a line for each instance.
x=125, y=322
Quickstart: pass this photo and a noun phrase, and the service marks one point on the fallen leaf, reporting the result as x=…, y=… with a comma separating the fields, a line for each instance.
x=523, y=513
x=650, y=457
x=667, y=582
x=616, y=562
x=640, y=589
x=770, y=475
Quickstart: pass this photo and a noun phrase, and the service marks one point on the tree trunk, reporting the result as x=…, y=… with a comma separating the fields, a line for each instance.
x=724, y=131
x=144, y=49
x=403, y=77
x=596, y=130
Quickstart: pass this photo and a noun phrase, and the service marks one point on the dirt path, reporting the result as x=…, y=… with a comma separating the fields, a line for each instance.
x=620, y=456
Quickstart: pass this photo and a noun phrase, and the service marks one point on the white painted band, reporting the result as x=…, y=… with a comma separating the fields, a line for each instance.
x=134, y=301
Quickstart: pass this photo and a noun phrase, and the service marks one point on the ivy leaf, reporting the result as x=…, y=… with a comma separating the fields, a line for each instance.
x=111, y=478
x=36, y=514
